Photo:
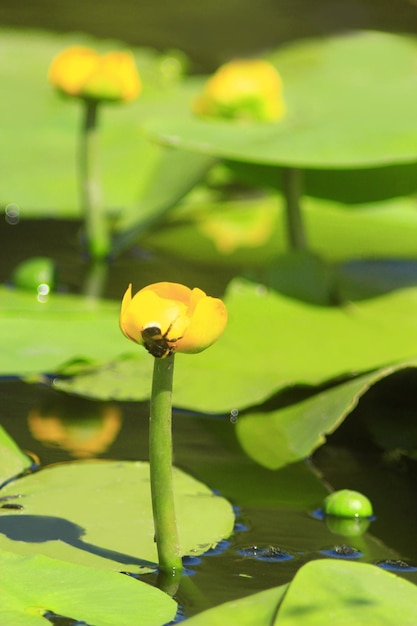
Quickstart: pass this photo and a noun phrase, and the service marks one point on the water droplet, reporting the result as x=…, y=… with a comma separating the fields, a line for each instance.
x=12, y=214
x=43, y=292
x=234, y=414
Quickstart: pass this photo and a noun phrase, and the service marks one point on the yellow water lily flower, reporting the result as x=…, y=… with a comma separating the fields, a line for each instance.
x=169, y=317
x=82, y=72
x=243, y=90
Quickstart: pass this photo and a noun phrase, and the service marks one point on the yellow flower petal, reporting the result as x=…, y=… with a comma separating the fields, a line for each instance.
x=125, y=305
x=81, y=72
x=243, y=90
x=114, y=78
x=173, y=291
x=71, y=68
x=168, y=317
x=207, y=323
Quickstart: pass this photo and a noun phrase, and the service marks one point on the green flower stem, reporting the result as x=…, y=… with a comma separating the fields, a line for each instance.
x=96, y=279
x=160, y=457
x=96, y=226
x=291, y=184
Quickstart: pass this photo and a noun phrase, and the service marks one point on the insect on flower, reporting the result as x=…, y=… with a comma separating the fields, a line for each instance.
x=169, y=317
x=156, y=343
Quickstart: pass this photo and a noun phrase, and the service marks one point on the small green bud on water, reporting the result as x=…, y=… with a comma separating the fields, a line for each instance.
x=33, y=273
x=347, y=503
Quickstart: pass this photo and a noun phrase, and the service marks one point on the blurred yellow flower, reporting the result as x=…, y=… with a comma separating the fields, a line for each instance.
x=82, y=72
x=170, y=317
x=244, y=90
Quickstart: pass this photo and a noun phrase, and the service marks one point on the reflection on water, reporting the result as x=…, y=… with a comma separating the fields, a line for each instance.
x=81, y=427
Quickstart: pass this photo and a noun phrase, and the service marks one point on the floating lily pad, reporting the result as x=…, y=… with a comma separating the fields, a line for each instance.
x=350, y=186
x=100, y=514
x=41, y=336
x=324, y=592
x=286, y=435
x=32, y=586
x=334, y=88
x=255, y=610
x=348, y=593
x=272, y=342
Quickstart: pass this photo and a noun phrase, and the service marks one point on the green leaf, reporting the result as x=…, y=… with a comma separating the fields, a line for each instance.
x=166, y=176
x=275, y=438
x=351, y=186
x=272, y=342
x=347, y=594
x=334, y=88
x=12, y=460
x=34, y=585
x=41, y=336
x=324, y=592
x=100, y=514
x=255, y=610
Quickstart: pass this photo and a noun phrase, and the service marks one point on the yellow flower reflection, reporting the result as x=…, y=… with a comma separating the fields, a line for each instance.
x=82, y=72
x=243, y=90
x=81, y=427
x=169, y=317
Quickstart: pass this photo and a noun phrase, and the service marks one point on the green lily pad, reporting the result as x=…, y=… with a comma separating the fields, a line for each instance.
x=272, y=342
x=334, y=88
x=100, y=514
x=276, y=438
x=324, y=592
x=350, y=186
x=41, y=336
x=307, y=345
x=34, y=585
x=12, y=460
x=258, y=609
x=348, y=594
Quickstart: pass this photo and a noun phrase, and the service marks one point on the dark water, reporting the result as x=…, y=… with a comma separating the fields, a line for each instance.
x=272, y=508
x=210, y=32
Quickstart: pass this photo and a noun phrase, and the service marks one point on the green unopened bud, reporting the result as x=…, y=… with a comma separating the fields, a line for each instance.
x=347, y=503
x=35, y=274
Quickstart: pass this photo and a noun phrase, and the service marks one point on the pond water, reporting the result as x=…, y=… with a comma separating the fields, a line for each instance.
x=274, y=509
x=213, y=32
